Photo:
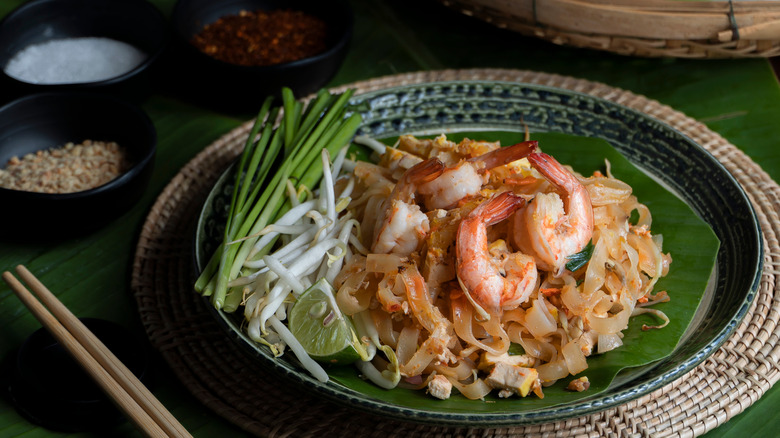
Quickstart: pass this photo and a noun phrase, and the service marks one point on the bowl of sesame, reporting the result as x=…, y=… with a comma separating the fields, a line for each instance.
x=234, y=53
x=108, y=47
x=71, y=162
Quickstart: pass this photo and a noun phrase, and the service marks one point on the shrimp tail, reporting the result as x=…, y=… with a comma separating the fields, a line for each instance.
x=500, y=208
x=554, y=172
x=425, y=171
x=506, y=155
x=420, y=173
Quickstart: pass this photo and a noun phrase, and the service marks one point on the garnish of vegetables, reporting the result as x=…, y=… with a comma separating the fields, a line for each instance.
x=275, y=156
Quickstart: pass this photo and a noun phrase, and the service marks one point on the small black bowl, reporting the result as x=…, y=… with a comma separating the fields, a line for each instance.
x=237, y=88
x=50, y=120
x=50, y=388
x=138, y=23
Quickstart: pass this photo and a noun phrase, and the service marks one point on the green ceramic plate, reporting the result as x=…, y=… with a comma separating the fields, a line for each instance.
x=707, y=221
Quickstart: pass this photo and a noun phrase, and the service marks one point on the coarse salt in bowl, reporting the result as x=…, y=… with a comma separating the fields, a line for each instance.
x=74, y=60
x=111, y=47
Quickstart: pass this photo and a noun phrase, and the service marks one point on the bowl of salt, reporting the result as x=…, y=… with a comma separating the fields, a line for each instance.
x=86, y=45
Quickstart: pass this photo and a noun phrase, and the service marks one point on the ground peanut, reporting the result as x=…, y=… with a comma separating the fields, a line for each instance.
x=71, y=168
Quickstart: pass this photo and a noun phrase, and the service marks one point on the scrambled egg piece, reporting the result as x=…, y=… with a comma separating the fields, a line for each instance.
x=511, y=379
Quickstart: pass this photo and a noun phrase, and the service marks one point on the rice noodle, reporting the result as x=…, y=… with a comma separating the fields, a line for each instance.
x=383, y=263
x=476, y=390
x=550, y=372
x=574, y=358
x=538, y=319
x=407, y=344
x=613, y=323
x=462, y=371
x=352, y=297
x=464, y=324
x=384, y=327
x=609, y=342
x=605, y=190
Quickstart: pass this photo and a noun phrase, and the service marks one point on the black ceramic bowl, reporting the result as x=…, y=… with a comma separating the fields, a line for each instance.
x=49, y=120
x=50, y=389
x=135, y=22
x=231, y=86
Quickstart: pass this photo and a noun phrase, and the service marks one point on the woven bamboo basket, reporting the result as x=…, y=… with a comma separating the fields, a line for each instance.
x=646, y=28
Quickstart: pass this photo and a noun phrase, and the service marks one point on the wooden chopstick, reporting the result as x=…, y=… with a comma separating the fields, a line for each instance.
x=122, y=386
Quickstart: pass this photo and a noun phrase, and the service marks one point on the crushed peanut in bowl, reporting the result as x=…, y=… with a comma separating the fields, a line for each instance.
x=67, y=169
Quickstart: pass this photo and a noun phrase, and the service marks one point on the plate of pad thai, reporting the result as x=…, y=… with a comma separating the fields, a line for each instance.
x=465, y=252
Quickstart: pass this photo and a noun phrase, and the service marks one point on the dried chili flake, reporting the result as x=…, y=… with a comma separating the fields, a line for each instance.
x=263, y=37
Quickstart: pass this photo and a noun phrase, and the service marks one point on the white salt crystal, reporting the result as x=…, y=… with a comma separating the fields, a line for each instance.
x=73, y=61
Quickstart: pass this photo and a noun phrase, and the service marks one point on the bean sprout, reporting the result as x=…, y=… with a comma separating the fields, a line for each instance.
x=317, y=247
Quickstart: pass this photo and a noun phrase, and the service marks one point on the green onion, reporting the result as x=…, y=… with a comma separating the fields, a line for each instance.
x=515, y=349
x=578, y=260
x=259, y=194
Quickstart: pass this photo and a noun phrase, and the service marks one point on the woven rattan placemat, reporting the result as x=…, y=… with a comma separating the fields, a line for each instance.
x=227, y=381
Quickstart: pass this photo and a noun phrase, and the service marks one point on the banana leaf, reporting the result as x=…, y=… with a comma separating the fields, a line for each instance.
x=691, y=242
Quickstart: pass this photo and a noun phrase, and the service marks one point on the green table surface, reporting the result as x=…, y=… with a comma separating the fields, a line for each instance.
x=740, y=99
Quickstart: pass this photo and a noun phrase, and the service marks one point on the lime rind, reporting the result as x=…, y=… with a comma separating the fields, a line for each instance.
x=328, y=337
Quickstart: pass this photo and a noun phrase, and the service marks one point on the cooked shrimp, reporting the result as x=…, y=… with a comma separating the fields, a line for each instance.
x=403, y=224
x=492, y=282
x=550, y=228
x=467, y=177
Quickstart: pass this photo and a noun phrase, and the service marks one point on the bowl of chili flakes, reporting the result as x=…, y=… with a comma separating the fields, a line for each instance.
x=232, y=54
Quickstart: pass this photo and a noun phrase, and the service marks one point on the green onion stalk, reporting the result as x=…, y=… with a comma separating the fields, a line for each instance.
x=258, y=196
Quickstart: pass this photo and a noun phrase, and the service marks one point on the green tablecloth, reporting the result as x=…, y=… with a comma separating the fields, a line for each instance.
x=740, y=99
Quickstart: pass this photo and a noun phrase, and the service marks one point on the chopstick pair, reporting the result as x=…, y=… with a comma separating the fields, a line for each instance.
x=130, y=395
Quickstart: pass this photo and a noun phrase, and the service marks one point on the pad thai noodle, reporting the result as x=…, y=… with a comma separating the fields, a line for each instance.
x=483, y=268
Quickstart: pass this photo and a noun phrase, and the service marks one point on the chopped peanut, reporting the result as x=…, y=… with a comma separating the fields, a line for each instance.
x=71, y=168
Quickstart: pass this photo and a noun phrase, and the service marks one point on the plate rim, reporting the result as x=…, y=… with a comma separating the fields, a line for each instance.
x=555, y=413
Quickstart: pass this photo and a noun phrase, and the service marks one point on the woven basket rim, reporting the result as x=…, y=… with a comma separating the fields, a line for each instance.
x=705, y=30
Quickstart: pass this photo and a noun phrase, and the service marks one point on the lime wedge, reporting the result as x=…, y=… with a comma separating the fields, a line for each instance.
x=327, y=335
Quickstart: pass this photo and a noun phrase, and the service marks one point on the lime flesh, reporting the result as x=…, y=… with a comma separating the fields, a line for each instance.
x=327, y=335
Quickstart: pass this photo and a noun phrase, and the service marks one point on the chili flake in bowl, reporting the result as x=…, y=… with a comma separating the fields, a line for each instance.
x=234, y=53
x=258, y=38
x=72, y=161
